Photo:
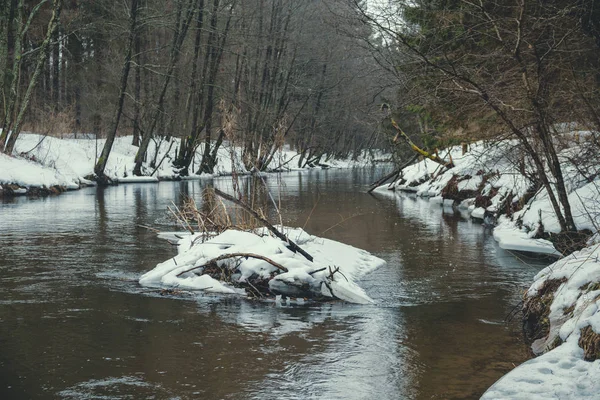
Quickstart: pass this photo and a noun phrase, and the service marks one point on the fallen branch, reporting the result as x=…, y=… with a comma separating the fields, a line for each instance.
x=417, y=149
x=149, y=228
x=163, y=158
x=231, y=255
x=293, y=246
x=396, y=172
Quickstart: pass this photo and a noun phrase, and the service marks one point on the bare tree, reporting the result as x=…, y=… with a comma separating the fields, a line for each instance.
x=103, y=159
x=15, y=107
x=502, y=57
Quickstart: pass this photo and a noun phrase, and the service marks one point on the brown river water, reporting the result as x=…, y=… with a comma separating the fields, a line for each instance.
x=75, y=324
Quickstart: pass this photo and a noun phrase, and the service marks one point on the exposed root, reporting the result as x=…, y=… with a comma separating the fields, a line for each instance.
x=569, y=242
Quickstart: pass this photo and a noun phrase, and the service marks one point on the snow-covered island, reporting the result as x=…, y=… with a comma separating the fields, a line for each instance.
x=261, y=266
x=45, y=164
x=562, y=308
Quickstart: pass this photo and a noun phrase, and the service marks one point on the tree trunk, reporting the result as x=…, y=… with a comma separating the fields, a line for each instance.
x=15, y=126
x=182, y=24
x=137, y=88
x=110, y=138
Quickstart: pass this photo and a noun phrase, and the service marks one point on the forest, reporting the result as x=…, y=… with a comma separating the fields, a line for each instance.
x=233, y=115
x=330, y=79
x=254, y=73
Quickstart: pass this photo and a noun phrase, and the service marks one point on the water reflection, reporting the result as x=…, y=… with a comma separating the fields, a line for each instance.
x=75, y=324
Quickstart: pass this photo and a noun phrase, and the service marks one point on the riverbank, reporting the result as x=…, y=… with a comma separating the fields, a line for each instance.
x=44, y=165
x=561, y=312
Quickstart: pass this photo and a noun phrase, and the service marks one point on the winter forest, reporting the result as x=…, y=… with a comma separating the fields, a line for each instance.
x=357, y=198
x=257, y=73
x=321, y=76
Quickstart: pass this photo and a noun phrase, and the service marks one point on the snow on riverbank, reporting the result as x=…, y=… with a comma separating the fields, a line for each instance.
x=567, y=293
x=490, y=180
x=45, y=161
x=190, y=268
x=562, y=307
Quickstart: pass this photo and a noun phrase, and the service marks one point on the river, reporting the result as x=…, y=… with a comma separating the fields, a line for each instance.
x=75, y=324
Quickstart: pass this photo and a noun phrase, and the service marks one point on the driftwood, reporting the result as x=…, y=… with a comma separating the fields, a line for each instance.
x=394, y=173
x=231, y=255
x=292, y=246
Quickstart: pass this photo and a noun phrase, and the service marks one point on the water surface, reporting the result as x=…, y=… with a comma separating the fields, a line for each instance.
x=74, y=323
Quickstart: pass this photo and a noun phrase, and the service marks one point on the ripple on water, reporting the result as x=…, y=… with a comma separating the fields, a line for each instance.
x=114, y=387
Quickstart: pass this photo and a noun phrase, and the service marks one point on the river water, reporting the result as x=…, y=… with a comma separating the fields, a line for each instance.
x=74, y=323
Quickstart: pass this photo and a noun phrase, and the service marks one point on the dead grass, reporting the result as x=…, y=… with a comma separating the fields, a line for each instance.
x=536, y=311
x=213, y=217
x=589, y=341
x=52, y=123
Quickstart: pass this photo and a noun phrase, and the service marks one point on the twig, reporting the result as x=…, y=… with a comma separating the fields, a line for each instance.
x=149, y=228
x=341, y=222
x=513, y=312
x=181, y=220
x=255, y=289
x=247, y=255
x=317, y=270
x=311, y=211
x=293, y=246
x=336, y=269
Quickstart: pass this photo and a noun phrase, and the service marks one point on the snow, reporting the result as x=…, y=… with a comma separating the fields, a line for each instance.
x=353, y=263
x=478, y=213
x=585, y=207
x=470, y=183
x=23, y=172
x=494, y=170
x=482, y=158
x=49, y=161
x=138, y=179
x=561, y=373
x=509, y=237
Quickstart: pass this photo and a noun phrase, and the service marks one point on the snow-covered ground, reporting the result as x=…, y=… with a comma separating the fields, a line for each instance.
x=561, y=372
x=44, y=161
x=488, y=183
x=185, y=271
